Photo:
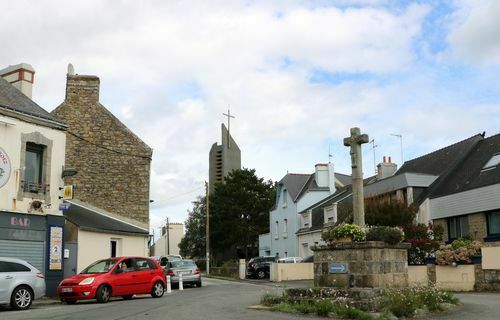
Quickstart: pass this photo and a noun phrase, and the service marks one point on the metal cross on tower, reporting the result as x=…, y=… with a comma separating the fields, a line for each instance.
x=229, y=116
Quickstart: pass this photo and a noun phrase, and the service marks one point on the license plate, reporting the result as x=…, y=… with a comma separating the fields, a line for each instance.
x=184, y=273
x=67, y=290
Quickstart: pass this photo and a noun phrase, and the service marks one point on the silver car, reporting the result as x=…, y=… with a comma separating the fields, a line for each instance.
x=187, y=268
x=20, y=283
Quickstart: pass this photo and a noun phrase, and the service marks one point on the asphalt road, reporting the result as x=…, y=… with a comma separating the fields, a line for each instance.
x=217, y=299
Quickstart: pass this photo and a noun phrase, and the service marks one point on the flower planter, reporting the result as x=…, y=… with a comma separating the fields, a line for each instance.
x=343, y=240
x=476, y=259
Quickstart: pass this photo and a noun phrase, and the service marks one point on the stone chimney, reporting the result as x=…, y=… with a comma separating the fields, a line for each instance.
x=20, y=76
x=80, y=88
x=386, y=168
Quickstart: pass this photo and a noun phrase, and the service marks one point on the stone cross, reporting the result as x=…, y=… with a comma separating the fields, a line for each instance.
x=358, y=205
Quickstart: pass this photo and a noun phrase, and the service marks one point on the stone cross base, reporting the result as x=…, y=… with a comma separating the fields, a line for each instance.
x=368, y=264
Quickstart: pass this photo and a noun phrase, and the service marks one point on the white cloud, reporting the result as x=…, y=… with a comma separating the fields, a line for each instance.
x=170, y=69
x=475, y=35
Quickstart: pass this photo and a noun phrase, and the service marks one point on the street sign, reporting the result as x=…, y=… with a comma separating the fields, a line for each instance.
x=64, y=206
x=68, y=192
x=337, y=268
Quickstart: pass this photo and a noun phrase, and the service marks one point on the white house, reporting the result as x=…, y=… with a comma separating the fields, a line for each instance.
x=32, y=153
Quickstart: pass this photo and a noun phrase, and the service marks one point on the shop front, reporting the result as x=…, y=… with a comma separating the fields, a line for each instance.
x=37, y=239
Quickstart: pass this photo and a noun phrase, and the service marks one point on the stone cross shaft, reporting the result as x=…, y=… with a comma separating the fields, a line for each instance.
x=358, y=205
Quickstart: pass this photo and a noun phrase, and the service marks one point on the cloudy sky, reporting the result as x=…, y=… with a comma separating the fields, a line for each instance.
x=297, y=75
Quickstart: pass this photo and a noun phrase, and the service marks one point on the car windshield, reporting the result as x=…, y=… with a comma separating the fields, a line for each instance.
x=182, y=264
x=101, y=266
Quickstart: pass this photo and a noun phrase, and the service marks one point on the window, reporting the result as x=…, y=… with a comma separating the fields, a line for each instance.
x=330, y=213
x=493, y=162
x=493, y=223
x=142, y=264
x=33, y=168
x=283, y=198
x=306, y=219
x=6, y=266
x=286, y=253
x=276, y=230
x=113, y=248
x=285, y=227
x=458, y=227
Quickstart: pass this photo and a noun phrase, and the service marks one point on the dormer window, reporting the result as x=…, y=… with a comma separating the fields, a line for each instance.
x=306, y=219
x=492, y=163
x=330, y=214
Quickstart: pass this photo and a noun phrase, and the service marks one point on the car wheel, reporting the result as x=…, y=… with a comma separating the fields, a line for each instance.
x=127, y=297
x=157, y=290
x=103, y=294
x=69, y=301
x=261, y=274
x=21, y=298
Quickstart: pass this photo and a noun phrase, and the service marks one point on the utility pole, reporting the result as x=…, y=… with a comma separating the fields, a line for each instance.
x=207, y=241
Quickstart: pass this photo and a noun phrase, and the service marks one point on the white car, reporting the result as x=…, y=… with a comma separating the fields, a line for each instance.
x=290, y=260
x=20, y=283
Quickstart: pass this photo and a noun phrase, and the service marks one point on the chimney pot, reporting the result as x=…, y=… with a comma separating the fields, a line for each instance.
x=21, y=76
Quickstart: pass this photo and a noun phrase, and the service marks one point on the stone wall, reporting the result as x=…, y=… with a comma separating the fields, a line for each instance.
x=486, y=280
x=370, y=264
x=113, y=163
x=477, y=226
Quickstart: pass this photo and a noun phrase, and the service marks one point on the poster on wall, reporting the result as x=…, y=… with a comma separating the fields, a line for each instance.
x=5, y=167
x=55, y=245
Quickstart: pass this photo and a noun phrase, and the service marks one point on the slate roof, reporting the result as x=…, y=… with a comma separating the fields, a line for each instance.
x=438, y=162
x=343, y=178
x=92, y=220
x=294, y=182
x=13, y=99
x=469, y=174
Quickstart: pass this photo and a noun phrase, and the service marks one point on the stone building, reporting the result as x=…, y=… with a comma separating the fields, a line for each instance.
x=113, y=164
x=223, y=158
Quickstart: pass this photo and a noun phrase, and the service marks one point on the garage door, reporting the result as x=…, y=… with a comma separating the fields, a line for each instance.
x=31, y=251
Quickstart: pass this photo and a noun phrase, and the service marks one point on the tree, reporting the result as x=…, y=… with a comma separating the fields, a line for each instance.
x=193, y=242
x=239, y=212
x=391, y=214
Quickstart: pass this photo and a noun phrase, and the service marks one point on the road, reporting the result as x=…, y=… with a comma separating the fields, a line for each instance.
x=217, y=299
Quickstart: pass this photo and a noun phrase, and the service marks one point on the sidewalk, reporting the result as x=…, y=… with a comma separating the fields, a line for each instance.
x=46, y=301
x=266, y=282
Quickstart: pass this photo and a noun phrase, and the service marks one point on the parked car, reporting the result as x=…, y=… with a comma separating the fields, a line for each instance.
x=113, y=277
x=162, y=260
x=20, y=283
x=290, y=260
x=259, y=267
x=190, y=272
x=308, y=259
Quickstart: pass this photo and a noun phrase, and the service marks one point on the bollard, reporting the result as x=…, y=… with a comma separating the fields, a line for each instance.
x=169, y=285
x=181, y=286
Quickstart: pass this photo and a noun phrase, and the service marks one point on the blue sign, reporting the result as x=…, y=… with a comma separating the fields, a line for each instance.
x=337, y=268
x=64, y=206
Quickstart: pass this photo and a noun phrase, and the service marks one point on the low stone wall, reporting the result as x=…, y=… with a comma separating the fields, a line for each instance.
x=460, y=278
x=291, y=271
x=369, y=264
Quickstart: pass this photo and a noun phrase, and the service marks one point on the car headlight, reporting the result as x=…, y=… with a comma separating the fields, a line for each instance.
x=86, y=281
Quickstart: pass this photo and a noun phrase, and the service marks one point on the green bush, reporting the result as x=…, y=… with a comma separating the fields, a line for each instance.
x=390, y=235
x=351, y=313
x=344, y=231
x=271, y=299
x=405, y=301
x=323, y=308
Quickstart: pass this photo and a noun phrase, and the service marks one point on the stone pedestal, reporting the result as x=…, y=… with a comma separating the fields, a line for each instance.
x=369, y=264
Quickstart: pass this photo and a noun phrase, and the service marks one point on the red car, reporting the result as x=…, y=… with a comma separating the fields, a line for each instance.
x=114, y=277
